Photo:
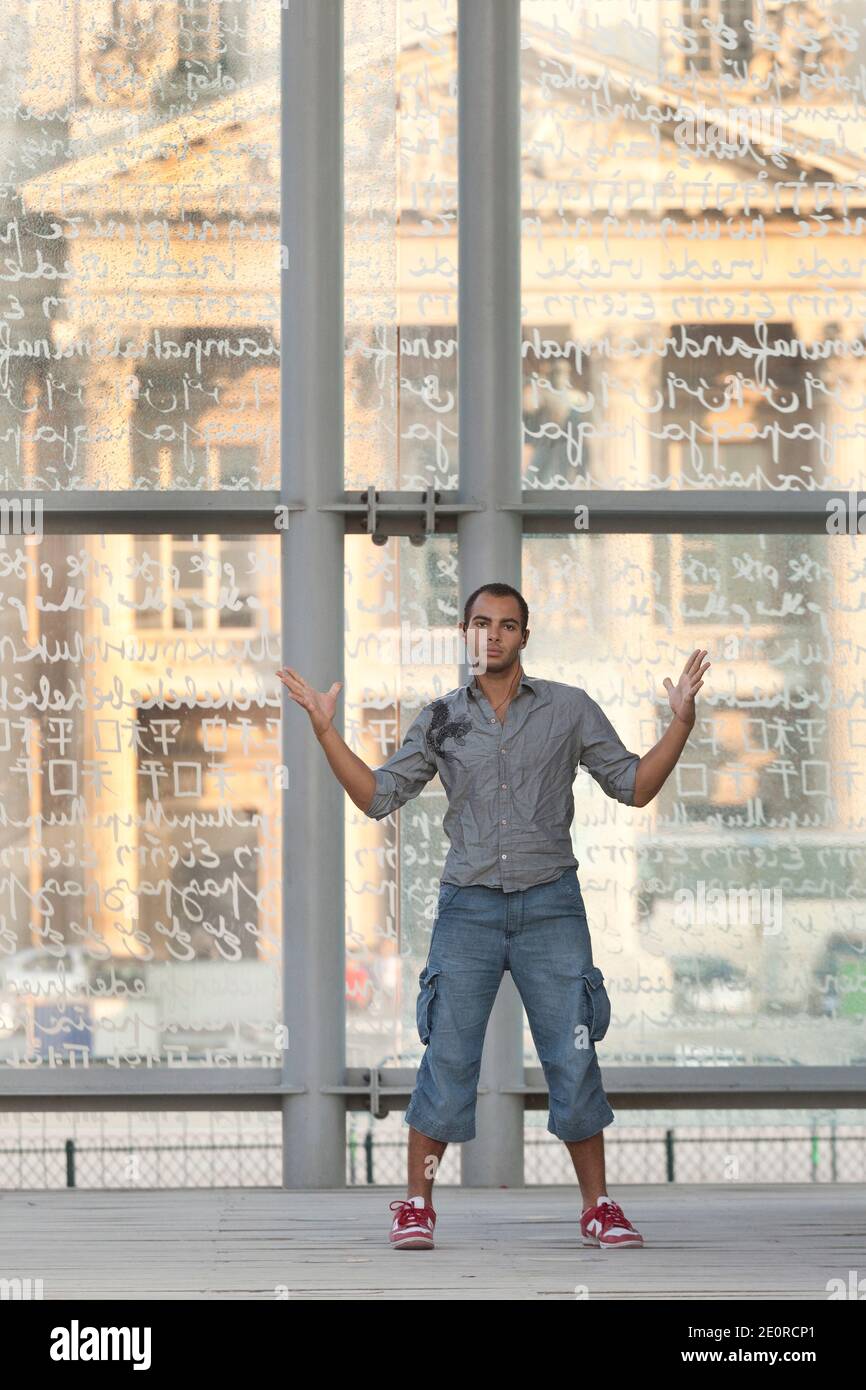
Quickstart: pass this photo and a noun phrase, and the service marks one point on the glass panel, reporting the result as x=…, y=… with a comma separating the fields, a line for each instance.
x=401, y=652
x=678, y=331
x=728, y=914
x=400, y=248
x=139, y=733
x=140, y=215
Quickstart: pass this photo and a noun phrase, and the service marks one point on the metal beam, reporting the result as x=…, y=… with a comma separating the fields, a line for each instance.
x=489, y=367
x=100, y=1087
x=384, y=513
x=666, y=513
x=128, y=513
x=312, y=566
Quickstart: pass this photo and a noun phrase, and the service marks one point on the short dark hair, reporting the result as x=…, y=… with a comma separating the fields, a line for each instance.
x=501, y=591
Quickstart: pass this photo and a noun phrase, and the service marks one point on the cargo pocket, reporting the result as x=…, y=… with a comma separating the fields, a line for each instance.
x=426, y=997
x=599, y=1003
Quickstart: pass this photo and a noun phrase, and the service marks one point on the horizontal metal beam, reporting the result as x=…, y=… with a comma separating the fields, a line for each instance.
x=381, y=514
x=149, y=513
x=389, y=1088
x=702, y=510
x=723, y=1088
x=102, y=1087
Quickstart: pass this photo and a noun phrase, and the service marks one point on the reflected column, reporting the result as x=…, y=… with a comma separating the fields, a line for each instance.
x=110, y=390
x=618, y=668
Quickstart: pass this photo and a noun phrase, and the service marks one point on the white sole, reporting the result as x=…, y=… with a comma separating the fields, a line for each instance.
x=615, y=1245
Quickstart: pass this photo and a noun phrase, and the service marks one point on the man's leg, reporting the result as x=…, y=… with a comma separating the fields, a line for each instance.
x=587, y=1155
x=424, y=1155
x=549, y=959
x=459, y=984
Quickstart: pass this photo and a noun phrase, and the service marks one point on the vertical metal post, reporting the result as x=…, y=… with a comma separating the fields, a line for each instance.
x=311, y=443
x=489, y=366
x=368, y=1152
x=834, y=1176
x=670, y=1169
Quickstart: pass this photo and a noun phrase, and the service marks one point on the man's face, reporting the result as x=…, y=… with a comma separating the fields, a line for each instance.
x=496, y=620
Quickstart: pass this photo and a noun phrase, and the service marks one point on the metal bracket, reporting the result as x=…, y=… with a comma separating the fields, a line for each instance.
x=427, y=504
x=372, y=1088
x=372, y=498
x=429, y=497
x=375, y=1100
x=381, y=514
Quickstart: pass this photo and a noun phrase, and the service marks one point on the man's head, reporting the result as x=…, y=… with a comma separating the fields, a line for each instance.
x=500, y=611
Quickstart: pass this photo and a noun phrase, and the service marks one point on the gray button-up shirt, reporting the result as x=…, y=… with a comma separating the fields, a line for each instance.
x=509, y=785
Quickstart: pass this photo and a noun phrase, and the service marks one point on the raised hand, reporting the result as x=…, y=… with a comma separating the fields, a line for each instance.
x=320, y=705
x=682, y=695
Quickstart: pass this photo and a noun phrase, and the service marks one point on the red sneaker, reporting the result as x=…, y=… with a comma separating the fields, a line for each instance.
x=413, y=1224
x=606, y=1225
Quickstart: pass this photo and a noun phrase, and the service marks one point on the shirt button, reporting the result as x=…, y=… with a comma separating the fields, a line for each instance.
x=505, y=856
x=503, y=822
x=504, y=785
x=493, y=718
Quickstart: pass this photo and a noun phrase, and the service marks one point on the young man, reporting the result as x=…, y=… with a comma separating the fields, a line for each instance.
x=506, y=747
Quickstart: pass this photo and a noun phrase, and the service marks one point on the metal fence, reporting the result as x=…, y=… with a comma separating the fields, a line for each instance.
x=824, y=1153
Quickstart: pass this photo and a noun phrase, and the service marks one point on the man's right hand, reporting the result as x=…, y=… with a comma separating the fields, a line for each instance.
x=320, y=705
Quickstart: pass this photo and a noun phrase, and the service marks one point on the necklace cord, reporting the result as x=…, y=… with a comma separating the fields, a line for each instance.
x=509, y=693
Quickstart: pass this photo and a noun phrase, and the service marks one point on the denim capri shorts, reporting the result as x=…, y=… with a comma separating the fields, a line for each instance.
x=541, y=935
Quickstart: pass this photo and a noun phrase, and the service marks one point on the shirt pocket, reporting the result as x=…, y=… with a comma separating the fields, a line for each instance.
x=477, y=744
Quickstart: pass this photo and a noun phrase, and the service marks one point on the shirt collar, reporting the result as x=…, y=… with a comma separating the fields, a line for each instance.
x=531, y=682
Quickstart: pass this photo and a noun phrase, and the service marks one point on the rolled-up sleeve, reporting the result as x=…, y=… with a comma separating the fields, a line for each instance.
x=404, y=774
x=604, y=755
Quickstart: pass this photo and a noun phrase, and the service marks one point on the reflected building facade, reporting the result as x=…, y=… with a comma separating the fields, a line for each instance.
x=693, y=318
